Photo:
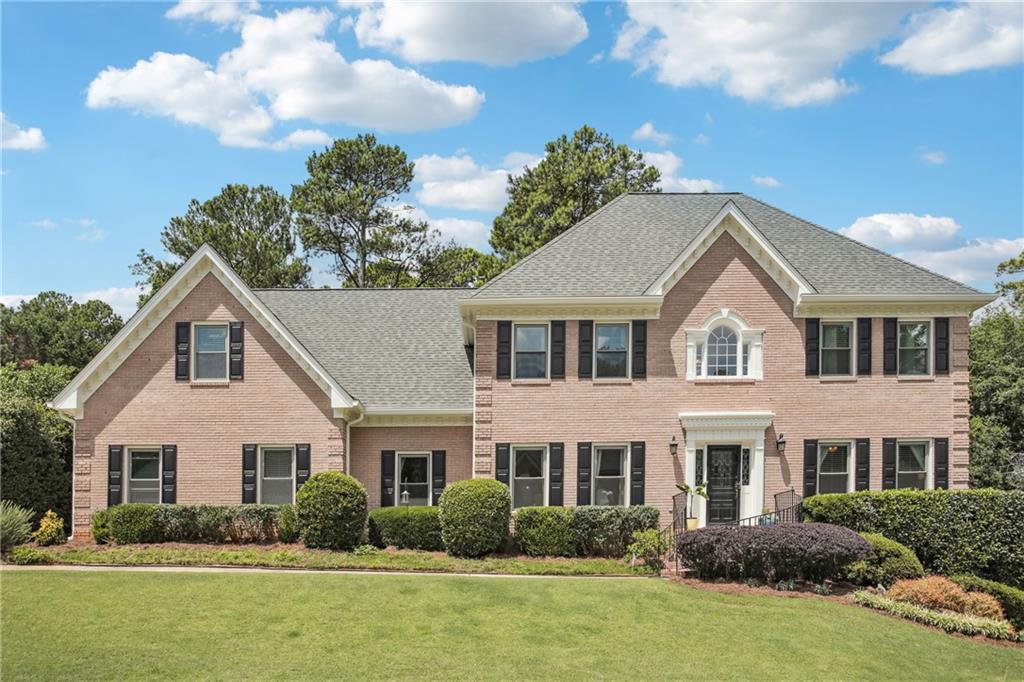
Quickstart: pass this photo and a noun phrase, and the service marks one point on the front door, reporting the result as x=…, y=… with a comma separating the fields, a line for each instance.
x=723, y=484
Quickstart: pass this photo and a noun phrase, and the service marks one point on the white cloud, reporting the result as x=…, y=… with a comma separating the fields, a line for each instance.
x=597, y=57
x=647, y=132
x=458, y=182
x=668, y=163
x=302, y=138
x=214, y=11
x=973, y=262
x=94, y=235
x=935, y=158
x=13, y=136
x=903, y=230
x=948, y=40
x=465, y=232
x=284, y=69
x=44, y=224
x=122, y=299
x=765, y=181
x=492, y=33
x=80, y=222
x=516, y=162
x=702, y=139
x=783, y=53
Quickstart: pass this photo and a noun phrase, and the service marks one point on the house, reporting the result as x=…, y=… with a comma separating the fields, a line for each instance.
x=665, y=338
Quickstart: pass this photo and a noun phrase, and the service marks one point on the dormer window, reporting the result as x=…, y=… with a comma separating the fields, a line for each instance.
x=724, y=347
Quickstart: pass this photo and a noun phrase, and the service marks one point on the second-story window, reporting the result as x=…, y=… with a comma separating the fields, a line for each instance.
x=914, y=343
x=611, y=351
x=722, y=352
x=837, y=348
x=211, y=352
x=724, y=347
x=530, y=345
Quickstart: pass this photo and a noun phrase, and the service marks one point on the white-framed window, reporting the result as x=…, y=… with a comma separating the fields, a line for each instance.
x=530, y=351
x=912, y=464
x=277, y=474
x=610, y=468
x=837, y=348
x=529, y=476
x=725, y=347
x=144, y=470
x=413, y=478
x=611, y=350
x=914, y=338
x=835, y=467
x=722, y=352
x=210, y=351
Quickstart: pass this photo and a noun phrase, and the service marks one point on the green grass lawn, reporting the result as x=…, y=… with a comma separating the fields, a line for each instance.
x=106, y=624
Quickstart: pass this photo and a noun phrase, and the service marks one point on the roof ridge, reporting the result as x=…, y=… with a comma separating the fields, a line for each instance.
x=687, y=193
x=304, y=289
x=862, y=244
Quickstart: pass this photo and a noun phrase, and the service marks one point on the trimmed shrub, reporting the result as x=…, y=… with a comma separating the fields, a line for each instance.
x=406, y=528
x=812, y=551
x=1010, y=598
x=287, y=524
x=331, y=510
x=951, y=531
x=15, y=525
x=99, y=526
x=30, y=556
x=133, y=523
x=950, y=622
x=607, y=531
x=545, y=531
x=888, y=562
x=649, y=546
x=51, y=530
x=474, y=516
x=937, y=592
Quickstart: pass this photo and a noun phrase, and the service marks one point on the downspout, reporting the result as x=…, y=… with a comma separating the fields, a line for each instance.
x=348, y=439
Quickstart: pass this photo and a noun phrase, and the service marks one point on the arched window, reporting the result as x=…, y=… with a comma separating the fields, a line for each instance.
x=722, y=352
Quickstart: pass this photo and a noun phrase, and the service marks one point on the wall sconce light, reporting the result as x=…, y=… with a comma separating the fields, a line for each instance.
x=780, y=443
x=673, y=447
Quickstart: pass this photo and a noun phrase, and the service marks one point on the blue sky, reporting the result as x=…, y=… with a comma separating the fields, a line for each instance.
x=901, y=125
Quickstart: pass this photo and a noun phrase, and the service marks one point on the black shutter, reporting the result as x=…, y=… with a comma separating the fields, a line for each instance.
x=182, y=334
x=556, y=464
x=558, y=349
x=248, y=474
x=387, y=478
x=115, y=457
x=810, y=468
x=942, y=345
x=811, y=347
x=862, y=471
x=302, y=464
x=504, y=350
x=501, y=462
x=941, y=462
x=639, y=349
x=636, y=472
x=888, y=463
x=169, y=489
x=237, y=350
x=864, y=346
x=584, y=460
x=437, y=474
x=889, y=353
x=586, y=355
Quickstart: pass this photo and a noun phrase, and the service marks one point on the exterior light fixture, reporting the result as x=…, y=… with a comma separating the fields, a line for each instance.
x=405, y=498
x=780, y=443
x=673, y=447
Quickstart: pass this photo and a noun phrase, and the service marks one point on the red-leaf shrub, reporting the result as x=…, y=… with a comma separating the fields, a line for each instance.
x=937, y=592
x=809, y=551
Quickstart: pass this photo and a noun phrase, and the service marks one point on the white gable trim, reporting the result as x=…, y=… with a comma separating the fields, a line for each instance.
x=205, y=261
x=732, y=220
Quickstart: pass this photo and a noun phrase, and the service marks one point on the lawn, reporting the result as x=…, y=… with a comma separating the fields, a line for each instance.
x=106, y=624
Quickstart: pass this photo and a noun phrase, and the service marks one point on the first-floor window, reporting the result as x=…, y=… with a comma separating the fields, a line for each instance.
x=833, y=467
x=277, y=475
x=529, y=473
x=414, y=479
x=144, y=475
x=610, y=475
x=912, y=465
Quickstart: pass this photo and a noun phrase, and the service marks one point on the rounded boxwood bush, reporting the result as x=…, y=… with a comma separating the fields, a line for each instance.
x=545, y=531
x=287, y=524
x=406, y=528
x=133, y=523
x=331, y=511
x=888, y=562
x=474, y=516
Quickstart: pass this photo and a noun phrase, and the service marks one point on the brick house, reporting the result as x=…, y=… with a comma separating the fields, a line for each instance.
x=667, y=338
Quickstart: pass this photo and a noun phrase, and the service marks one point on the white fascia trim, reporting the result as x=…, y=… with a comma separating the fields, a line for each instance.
x=726, y=419
x=419, y=411
x=701, y=243
x=471, y=303
x=980, y=299
x=72, y=399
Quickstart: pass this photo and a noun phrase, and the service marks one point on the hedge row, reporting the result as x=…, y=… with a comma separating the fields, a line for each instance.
x=951, y=531
x=581, y=531
x=406, y=528
x=139, y=523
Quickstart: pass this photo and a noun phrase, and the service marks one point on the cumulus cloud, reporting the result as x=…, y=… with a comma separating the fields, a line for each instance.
x=464, y=231
x=934, y=158
x=702, y=139
x=903, y=230
x=492, y=33
x=765, y=181
x=460, y=182
x=668, y=163
x=223, y=12
x=123, y=300
x=946, y=40
x=972, y=263
x=648, y=133
x=787, y=54
x=13, y=136
x=302, y=138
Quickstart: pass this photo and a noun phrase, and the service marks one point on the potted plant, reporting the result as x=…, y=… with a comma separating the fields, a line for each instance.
x=700, y=491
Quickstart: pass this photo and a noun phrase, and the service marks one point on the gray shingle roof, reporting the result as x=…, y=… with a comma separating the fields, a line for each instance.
x=622, y=249
x=389, y=348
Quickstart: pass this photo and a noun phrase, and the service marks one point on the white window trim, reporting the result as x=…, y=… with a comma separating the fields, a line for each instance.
x=259, y=469
x=853, y=348
x=929, y=461
x=194, y=351
x=744, y=335
x=127, y=470
x=547, y=351
x=625, y=470
x=545, y=460
x=851, y=461
x=629, y=350
x=931, y=347
x=398, y=473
